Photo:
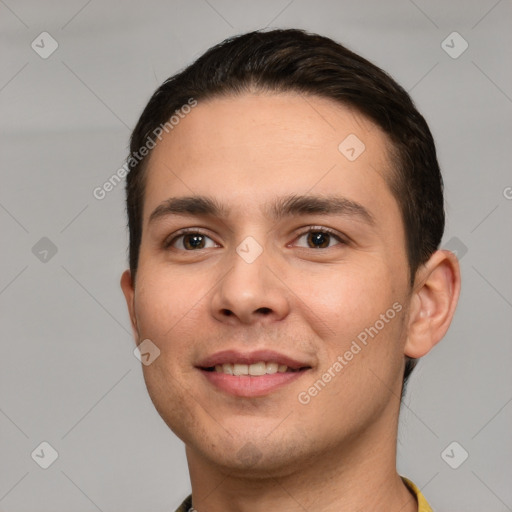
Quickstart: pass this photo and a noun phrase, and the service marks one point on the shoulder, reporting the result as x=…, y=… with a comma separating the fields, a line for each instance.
x=423, y=505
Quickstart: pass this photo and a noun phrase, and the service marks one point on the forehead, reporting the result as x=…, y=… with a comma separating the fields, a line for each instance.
x=254, y=146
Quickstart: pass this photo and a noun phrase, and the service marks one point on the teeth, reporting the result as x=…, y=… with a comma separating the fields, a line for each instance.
x=255, y=369
x=226, y=368
x=240, y=369
x=272, y=368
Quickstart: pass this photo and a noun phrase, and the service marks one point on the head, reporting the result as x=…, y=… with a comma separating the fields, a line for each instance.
x=255, y=124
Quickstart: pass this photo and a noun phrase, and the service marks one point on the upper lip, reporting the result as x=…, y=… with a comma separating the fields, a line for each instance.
x=244, y=357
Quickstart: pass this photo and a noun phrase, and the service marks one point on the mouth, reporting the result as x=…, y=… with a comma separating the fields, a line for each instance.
x=254, y=370
x=251, y=374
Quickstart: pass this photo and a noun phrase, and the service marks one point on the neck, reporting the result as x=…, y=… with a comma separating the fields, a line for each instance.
x=359, y=475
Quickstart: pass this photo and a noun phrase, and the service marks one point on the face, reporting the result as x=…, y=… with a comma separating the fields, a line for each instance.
x=293, y=269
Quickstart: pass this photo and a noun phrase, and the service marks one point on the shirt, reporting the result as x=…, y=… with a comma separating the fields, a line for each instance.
x=423, y=506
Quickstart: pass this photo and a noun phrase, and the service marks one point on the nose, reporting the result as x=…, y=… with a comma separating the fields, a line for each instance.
x=251, y=292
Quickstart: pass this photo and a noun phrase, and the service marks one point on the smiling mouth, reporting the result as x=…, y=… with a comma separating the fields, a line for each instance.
x=251, y=374
x=253, y=370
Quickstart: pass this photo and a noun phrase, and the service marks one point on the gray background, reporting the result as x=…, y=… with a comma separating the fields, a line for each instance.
x=68, y=374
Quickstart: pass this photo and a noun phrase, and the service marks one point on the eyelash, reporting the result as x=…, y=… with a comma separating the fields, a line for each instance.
x=311, y=229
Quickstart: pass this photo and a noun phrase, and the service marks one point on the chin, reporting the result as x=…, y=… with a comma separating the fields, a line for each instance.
x=258, y=458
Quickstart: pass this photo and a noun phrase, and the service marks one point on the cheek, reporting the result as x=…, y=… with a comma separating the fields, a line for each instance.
x=363, y=308
x=351, y=297
x=171, y=397
x=165, y=312
x=161, y=302
x=361, y=354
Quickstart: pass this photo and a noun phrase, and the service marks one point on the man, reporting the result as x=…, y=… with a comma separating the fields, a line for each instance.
x=285, y=211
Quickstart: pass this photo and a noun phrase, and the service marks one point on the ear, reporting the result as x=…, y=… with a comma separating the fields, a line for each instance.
x=433, y=302
x=129, y=295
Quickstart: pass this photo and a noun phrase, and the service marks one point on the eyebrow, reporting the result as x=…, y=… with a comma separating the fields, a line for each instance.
x=288, y=206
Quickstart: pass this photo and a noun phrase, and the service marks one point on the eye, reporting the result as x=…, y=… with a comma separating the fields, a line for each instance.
x=320, y=238
x=190, y=240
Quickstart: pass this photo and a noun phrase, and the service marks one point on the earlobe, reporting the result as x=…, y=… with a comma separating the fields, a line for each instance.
x=129, y=295
x=433, y=303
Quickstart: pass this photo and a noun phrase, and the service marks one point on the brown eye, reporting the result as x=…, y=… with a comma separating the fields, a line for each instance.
x=320, y=238
x=191, y=241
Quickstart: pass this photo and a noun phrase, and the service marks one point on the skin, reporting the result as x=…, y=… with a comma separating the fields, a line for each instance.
x=338, y=452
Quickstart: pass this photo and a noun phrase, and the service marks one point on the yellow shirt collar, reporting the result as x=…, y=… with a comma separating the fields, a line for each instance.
x=423, y=506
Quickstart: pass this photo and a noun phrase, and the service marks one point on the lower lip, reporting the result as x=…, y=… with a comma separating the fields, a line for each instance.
x=249, y=386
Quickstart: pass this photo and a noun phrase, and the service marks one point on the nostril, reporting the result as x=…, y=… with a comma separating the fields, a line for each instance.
x=266, y=311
